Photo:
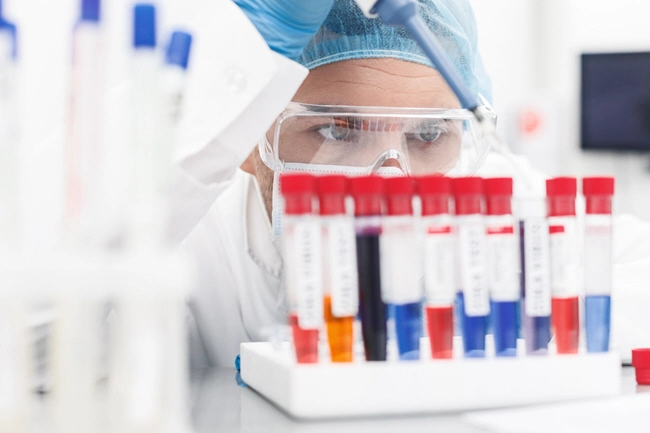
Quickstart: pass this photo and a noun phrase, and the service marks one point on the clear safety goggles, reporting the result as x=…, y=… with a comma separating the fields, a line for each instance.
x=349, y=139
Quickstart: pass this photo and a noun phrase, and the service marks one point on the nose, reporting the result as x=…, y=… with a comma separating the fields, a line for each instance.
x=391, y=158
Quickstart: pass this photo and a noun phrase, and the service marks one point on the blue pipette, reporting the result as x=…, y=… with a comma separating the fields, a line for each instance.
x=405, y=13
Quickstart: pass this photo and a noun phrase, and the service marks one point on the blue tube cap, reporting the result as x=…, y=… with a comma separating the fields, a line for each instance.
x=178, y=50
x=144, y=26
x=10, y=28
x=90, y=10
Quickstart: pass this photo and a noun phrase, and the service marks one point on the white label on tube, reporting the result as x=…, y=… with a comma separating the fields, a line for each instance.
x=401, y=271
x=559, y=256
x=536, y=268
x=598, y=255
x=472, y=251
x=439, y=265
x=308, y=273
x=503, y=261
x=342, y=260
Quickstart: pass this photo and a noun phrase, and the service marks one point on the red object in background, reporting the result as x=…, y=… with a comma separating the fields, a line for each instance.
x=530, y=122
x=566, y=323
x=305, y=342
x=641, y=364
x=440, y=321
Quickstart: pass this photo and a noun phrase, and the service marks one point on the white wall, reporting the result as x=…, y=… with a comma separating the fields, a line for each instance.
x=532, y=48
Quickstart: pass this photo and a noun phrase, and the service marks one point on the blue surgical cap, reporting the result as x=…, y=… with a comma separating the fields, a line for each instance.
x=348, y=34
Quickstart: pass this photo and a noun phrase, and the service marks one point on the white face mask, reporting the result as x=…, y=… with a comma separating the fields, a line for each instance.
x=278, y=203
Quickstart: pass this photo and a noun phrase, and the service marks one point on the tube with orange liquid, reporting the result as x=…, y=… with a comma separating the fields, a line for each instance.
x=341, y=300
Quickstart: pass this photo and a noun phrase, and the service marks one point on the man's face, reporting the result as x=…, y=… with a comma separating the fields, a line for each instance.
x=367, y=82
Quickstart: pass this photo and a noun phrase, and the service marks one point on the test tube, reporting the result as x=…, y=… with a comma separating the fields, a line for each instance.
x=368, y=194
x=473, y=298
x=535, y=273
x=561, y=193
x=341, y=301
x=146, y=220
x=439, y=278
x=503, y=265
x=401, y=267
x=84, y=153
x=598, y=192
x=301, y=252
x=10, y=221
x=172, y=85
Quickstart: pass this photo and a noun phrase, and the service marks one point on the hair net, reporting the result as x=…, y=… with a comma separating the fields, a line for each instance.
x=347, y=34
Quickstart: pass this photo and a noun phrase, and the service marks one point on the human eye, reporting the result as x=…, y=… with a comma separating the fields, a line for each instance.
x=336, y=129
x=427, y=132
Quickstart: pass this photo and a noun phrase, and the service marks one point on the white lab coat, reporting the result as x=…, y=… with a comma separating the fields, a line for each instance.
x=235, y=91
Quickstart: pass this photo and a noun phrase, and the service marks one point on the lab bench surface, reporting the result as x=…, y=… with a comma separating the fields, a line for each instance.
x=220, y=405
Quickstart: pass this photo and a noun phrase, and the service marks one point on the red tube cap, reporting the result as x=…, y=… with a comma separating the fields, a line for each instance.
x=297, y=183
x=498, y=191
x=434, y=185
x=598, y=186
x=468, y=195
x=468, y=186
x=561, y=192
x=498, y=186
x=435, y=191
x=562, y=186
x=641, y=364
x=598, y=192
x=332, y=190
x=298, y=190
x=399, y=195
x=367, y=192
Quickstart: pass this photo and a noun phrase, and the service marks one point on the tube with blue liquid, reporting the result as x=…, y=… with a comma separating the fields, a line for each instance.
x=401, y=267
x=598, y=192
x=535, y=273
x=503, y=265
x=473, y=298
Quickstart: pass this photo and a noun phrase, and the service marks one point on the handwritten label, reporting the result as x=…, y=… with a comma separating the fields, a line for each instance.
x=536, y=268
x=439, y=282
x=472, y=252
x=342, y=260
x=503, y=264
x=308, y=273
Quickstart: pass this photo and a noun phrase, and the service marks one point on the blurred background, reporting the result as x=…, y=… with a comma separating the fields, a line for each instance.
x=532, y=50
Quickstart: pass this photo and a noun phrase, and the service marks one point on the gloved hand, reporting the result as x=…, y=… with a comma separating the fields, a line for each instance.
x=286, y=25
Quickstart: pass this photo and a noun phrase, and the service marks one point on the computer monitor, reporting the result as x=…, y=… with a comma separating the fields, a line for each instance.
x=615, y=101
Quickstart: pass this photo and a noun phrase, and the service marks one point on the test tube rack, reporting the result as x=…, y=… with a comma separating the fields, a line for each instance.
x=147, y=382
x=327, y=390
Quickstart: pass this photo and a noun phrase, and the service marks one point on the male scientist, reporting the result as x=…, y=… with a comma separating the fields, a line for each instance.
x=257, y=63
